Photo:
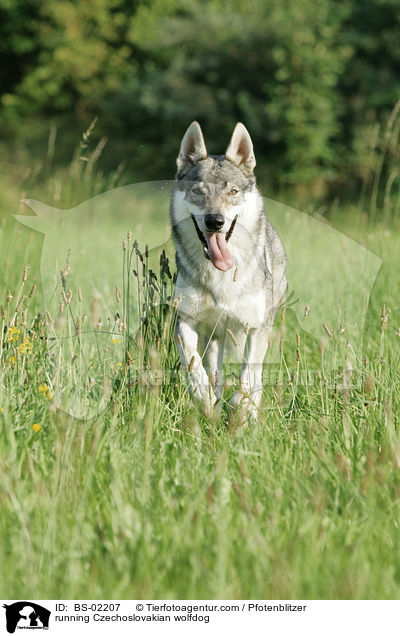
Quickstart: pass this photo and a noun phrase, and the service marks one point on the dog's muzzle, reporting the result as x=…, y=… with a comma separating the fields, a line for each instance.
x=202, y=237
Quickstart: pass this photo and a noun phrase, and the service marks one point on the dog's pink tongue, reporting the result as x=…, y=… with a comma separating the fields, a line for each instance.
x=218, y=251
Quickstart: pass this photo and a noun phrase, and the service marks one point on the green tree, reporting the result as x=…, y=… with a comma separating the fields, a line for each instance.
x=273, y=66
x=80, y=56
x=310, y=80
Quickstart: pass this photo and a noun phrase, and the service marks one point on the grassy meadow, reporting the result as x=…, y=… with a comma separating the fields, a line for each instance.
x=145, y=498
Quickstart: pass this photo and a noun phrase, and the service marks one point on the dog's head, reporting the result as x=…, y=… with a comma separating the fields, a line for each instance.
x=215, y=189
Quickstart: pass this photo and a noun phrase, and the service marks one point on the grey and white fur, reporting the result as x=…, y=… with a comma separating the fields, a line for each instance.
x=231, y=269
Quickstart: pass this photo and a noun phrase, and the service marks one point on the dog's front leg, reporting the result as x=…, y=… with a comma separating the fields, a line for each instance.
x=187, y=338
x=246, y=400
x=213, y=363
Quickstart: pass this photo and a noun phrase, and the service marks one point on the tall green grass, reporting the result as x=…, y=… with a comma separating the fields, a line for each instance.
x=148, y=499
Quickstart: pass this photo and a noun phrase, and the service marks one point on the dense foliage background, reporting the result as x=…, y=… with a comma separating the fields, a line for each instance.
x=315, y=83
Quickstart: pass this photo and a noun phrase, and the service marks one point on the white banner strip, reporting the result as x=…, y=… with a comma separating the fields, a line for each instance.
x=206, y=617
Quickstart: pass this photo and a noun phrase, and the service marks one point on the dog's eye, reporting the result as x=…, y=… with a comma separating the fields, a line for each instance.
x=197, y=191
x=233, y=191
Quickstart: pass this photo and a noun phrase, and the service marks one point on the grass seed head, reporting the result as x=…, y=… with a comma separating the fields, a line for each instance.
x=384, y=317
x=369, y=384
x=298, y=347
x=232, y=335
x=64, y=273
x=18, y=307
x=327, y=330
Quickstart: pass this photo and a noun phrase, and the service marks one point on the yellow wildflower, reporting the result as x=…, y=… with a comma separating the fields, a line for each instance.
x=115, y=341
x=37, y=428
x=13, y=334
x=26, y=346
x=12, y=359
x=44, y=389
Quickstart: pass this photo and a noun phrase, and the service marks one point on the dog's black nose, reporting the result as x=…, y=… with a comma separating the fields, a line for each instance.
x=214, y=221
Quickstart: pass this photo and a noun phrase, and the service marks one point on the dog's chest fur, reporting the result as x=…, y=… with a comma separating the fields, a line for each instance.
x=228, y=300
x=241, y=296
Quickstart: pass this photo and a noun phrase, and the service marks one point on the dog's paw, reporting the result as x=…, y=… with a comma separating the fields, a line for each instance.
x=210, y=407
x=241, y=411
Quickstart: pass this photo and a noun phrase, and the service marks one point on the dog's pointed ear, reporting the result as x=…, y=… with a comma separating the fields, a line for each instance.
x=240, y=149
x=193, y=148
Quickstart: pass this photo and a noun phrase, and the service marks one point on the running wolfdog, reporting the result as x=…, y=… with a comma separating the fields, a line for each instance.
x=231, y=269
